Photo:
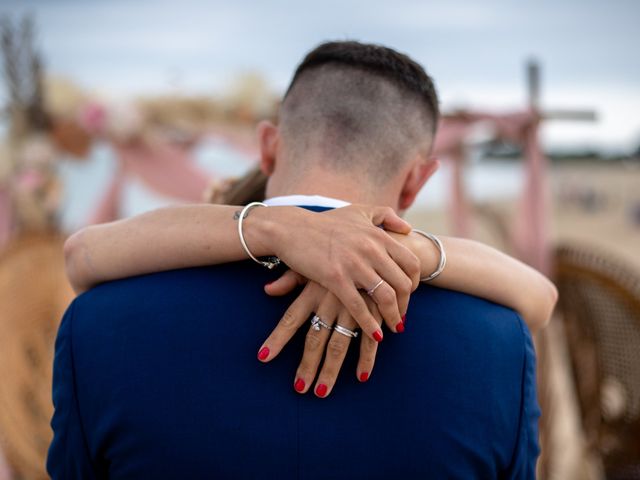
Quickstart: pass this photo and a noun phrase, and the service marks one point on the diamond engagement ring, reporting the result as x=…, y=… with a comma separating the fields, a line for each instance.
x=345, y=331
x=316, y=323
x=373, y=289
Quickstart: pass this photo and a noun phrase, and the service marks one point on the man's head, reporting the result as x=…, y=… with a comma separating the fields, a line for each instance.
x=356, y=114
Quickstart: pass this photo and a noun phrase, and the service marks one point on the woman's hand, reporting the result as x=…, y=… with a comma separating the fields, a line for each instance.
x=344, y=250
x=315, y=299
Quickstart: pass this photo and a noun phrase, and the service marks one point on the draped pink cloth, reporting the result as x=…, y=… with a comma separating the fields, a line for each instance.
x=164, y=168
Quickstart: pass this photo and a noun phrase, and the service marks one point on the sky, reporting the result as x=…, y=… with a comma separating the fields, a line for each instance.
x=476, y=51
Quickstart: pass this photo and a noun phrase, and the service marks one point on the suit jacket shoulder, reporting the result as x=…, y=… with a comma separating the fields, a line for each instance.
x=157, y=377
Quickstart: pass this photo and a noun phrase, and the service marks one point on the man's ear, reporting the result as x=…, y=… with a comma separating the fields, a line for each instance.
x=268, y=137
x=415, y=180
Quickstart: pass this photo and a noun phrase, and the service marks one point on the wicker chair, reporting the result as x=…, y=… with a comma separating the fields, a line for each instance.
x=33, y=293
x=600, y=304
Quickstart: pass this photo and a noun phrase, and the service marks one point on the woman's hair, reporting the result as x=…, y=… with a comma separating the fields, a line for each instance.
x=250, y=187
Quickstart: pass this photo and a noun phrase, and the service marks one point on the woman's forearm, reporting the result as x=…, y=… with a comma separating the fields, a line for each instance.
x=340, y=249
x=485, y=272
x=165, y=239
x=196, y=235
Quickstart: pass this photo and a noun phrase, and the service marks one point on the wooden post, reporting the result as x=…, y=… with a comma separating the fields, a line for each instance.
x=459, y=212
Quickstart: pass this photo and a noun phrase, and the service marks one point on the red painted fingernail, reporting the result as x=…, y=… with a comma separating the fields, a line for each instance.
x=404, y=318
x=321, y=390
x=364, y=376
x=299, y=385
x=400, y=327
x=263, y=353
x=377, y=335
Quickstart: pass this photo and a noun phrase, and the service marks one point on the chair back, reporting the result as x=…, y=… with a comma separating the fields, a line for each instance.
x=600, y=305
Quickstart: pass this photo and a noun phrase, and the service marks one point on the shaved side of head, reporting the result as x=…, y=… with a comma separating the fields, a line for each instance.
x=359, y=108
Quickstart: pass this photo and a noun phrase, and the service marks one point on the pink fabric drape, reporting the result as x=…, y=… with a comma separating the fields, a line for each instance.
x=108, y=208
x=164, y=168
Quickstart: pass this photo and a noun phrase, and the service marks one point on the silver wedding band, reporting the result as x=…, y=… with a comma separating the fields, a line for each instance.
x=373, y=289
x=345, y=331
x=316, y=323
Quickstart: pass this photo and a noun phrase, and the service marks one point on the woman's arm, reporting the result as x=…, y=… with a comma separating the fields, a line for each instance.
x=485, y=272
x=194, y=235
x=342, y=249
x=163, y=239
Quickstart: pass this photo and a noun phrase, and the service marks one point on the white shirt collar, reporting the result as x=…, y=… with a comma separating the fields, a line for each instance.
x=306, y=201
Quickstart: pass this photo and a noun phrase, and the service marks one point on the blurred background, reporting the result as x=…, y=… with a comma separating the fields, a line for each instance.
x=112, y=108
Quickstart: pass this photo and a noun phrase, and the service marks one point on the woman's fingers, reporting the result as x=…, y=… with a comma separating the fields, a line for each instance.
x=356, y=306
x=295, y=316
x=400, y=269
x=334, y=355
x=347, y=248
x=392, y=295
x=385, y=297
x=396, y=266
x=315, y=343
x=285, y=284
x=408, y=262
x=389, y=219
x=368, y=350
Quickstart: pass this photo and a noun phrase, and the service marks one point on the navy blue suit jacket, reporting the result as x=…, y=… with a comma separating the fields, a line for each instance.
x=156, y=377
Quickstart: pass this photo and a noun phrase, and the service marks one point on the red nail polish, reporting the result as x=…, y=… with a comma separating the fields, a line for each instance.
x=321, y=390
x=404, y=318
x=364, y=376
x=377, y=335
x=299, y=385
x=400, y=327
x=263, y=353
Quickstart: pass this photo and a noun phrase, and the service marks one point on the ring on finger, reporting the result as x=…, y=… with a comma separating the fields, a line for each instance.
x=371, y=291
x=316, y=323
x=345, y=331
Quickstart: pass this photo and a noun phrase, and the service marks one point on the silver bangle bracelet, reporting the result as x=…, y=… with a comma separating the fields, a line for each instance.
x=270, y=262
x=443, y=255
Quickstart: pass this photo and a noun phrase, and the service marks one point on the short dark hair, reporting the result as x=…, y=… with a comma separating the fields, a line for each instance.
x=359, y=101
x=403, y=71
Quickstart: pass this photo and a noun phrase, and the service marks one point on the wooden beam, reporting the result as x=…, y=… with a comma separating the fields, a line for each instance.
x=533, y=83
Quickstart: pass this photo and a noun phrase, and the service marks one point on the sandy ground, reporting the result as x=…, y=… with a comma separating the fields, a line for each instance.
x=592, y=205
